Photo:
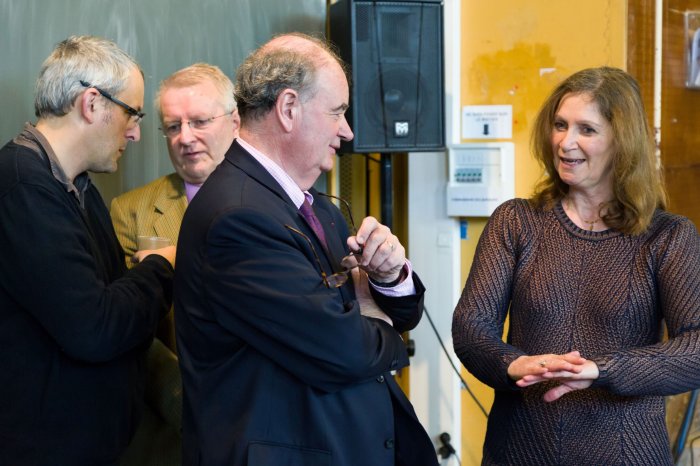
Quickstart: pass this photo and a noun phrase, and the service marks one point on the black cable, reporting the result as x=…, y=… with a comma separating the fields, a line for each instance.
x=464, y=382
x=447, y=450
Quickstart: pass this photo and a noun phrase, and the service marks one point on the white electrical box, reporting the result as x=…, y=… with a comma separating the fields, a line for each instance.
x=482, y=176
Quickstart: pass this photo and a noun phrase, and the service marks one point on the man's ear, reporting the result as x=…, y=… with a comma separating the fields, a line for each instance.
x=236, y=122
x=87, y=103
x=288, y=108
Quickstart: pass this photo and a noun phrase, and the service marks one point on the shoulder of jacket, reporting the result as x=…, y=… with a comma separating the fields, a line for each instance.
x=147, y=191
x=19, y=164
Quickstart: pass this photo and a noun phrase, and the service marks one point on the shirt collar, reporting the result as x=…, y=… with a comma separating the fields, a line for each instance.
x=286, y=182
x=32, y=138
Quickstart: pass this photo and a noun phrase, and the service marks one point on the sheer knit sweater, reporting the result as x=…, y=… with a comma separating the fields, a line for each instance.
x=605, y=294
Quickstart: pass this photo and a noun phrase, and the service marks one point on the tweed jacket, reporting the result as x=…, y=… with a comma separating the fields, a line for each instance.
x=155, y=209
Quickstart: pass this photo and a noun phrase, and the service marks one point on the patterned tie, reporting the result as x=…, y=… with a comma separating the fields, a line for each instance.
x=308, y=213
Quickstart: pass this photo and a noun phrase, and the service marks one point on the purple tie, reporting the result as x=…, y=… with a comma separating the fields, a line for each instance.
x=308, y=213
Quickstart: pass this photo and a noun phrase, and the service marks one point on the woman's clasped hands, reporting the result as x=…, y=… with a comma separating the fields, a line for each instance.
x=572, y=371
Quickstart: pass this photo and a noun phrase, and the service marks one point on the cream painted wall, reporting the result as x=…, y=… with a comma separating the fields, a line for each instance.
x=514, y=53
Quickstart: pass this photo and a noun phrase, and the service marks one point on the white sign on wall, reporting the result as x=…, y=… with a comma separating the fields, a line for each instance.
x=487, y=122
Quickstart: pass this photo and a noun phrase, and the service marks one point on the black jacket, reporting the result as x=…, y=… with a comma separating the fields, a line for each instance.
x=277, y=368
x=74, y=323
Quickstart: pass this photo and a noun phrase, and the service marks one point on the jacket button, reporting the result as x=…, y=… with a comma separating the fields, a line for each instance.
x=380, y=379
x=347, y=306
x=388, y=444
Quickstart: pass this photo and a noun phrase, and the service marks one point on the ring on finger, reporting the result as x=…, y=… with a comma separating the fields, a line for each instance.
x=543, y=363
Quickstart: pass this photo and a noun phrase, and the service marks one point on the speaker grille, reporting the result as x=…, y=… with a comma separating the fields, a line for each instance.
x=395, y=52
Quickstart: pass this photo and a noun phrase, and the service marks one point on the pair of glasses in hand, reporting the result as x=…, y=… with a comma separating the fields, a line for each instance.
x=351, y=260
x=334, y=280
x=348, y=262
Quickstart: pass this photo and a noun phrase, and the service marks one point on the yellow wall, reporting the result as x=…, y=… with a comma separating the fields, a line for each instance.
x=513, y=53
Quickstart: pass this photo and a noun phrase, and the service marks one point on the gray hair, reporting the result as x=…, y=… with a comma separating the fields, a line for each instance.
x=288, y=61
x=195, y=74
x=95, y=60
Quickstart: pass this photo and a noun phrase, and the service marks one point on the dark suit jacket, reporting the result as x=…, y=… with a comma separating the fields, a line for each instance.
x=277, y=368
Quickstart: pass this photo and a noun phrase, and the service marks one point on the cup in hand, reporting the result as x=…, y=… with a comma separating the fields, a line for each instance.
x=152, y=242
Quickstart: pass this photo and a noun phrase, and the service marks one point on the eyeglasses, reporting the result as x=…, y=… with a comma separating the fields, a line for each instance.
x=345, y=204
x=350, y=261
x=172, y=129
x=138, y=116
x=335, y=280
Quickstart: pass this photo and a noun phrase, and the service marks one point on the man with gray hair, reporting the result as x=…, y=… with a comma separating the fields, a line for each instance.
x=75, y=324
x=288, y=323
x=199, y=122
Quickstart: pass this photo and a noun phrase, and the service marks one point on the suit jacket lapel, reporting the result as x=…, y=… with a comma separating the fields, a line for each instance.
x=170, y=205
x=246, y=162
x=336, y=245
x=336, y=249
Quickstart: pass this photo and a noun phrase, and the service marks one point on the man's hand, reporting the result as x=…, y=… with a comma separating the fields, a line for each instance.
x=167, y=252
x=382, y=256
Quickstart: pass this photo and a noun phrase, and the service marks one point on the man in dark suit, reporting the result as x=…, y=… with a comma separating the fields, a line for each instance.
x=285, y=355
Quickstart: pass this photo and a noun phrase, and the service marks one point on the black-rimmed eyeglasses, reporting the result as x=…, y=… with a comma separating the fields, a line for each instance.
x=172, y=129
x=138, y=116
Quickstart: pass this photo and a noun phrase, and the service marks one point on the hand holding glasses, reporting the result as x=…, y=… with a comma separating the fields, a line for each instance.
x=334, y=280
x=348, y=262
x=376, y=249
x=385, y=260
x=368, y=307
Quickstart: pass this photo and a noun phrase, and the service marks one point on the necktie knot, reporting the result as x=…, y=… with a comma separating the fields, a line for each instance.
x=308, y=213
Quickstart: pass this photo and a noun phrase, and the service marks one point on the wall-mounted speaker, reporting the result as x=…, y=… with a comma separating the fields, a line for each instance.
x=395, y=52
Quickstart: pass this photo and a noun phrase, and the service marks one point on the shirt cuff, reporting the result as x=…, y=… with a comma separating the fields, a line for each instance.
x=405, y=288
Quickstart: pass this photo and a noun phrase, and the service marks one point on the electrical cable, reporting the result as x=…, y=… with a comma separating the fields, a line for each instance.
x=464, y=382
x=685, y=426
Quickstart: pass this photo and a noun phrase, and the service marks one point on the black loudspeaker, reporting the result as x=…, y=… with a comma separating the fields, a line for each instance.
x=395, y=52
